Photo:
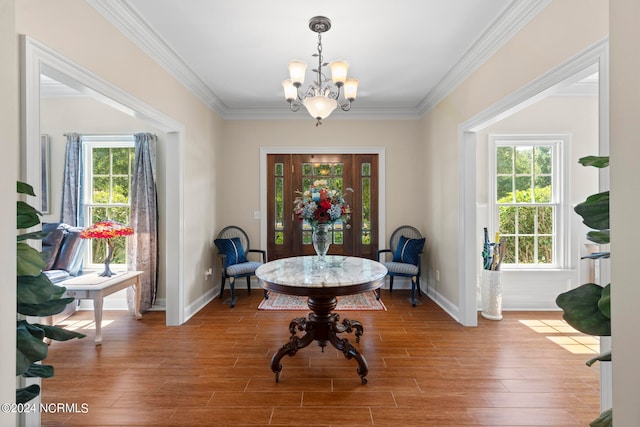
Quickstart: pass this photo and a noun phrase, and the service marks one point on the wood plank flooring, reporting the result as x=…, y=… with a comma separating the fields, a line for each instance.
x=424, y=370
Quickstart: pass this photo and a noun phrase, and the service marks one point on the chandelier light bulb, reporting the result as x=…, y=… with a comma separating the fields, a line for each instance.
x=297, y=70
x=290, y=91
x=339, y=72
x=351, y=89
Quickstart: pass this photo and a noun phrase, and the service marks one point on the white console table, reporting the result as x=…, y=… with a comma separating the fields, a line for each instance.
x=94, y=287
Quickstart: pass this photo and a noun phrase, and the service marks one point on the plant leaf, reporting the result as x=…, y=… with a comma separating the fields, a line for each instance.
x=48, y=308
x=36, y=235
x=29, y=347
x=23, y=395
x=58, y=334
x=605, y=301
x=596, y=161
x=597, y=255
x=29, y=260
x=37, y=290
x=602, y=357
x=24, y=188
x=604, y=420
x=39, y=371
x=27, y=215
x=595, y=211
x=601, y=237
x=581, y=309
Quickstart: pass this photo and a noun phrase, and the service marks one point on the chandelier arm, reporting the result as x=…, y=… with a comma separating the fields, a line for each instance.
x=346, y=106
x=294, y=106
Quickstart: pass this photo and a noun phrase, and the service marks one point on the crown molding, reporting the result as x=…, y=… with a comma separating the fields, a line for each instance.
x=125, y=18
x=515, y=16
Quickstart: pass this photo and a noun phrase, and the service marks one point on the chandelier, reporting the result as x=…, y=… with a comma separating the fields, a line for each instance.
x=321, y=98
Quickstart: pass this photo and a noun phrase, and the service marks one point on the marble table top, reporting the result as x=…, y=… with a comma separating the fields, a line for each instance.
x=305, y=275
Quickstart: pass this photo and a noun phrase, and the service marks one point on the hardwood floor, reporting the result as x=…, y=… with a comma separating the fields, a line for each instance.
x=424, y=370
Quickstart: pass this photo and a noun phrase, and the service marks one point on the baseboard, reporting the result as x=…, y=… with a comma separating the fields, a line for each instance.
x=199, y=304
x=450, y=308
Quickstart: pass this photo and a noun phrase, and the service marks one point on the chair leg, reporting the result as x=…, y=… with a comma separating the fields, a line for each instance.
x=378, y=293
x=248, y=284
x=418, y=285
x=233, y=291
x=266, y=294
x=413, y=292
x=390, y=283
x=222, y=285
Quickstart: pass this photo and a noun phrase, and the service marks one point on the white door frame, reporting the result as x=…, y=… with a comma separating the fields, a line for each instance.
x=36, y=58
x=539, y=88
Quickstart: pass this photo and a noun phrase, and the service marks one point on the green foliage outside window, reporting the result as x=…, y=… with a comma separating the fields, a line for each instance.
x=523, y=186
x=112, y=169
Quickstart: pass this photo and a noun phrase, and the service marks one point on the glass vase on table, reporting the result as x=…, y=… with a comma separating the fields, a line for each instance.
x=321, y=238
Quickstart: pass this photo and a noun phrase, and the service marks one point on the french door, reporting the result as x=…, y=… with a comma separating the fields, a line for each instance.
x=288, y=174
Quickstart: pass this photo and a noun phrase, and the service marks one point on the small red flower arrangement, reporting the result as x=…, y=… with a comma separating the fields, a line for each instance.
x=321, y=204
x=106, y=230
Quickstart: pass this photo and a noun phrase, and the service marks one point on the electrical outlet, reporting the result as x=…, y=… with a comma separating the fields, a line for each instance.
x=256, y=214
x=437, y=275
x=208, y=273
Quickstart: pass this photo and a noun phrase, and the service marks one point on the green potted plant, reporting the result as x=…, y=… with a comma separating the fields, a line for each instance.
x=587, y=308
x=36, y=296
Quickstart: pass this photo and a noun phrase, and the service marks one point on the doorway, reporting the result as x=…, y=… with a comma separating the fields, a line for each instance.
x=356, y=175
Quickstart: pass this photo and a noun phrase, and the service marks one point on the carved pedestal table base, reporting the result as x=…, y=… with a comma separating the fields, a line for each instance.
x=322, y=282
x=322, y=326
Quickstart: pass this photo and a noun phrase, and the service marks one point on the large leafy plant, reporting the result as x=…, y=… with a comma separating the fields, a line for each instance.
x=588, y=307
x=36, y=296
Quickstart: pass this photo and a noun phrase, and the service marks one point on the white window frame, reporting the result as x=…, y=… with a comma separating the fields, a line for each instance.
x=89, y=142
x=560, y=143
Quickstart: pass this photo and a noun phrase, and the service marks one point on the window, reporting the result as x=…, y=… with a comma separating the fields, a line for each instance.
x=527, y=198
x=108, y=167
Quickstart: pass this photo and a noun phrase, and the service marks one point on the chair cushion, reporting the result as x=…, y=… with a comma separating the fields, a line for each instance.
x=232, y=250
x=401, y=268
x=243, y=268
x=408, y=250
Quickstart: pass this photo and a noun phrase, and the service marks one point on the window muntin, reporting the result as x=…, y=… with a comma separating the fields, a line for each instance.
x=527, y=200
x=108, y=173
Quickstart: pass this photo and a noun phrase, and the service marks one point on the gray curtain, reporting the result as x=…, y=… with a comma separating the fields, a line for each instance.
x=72, y=182
x=143, y=244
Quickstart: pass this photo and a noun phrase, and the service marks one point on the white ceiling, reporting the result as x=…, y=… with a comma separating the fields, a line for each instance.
x=233, y=54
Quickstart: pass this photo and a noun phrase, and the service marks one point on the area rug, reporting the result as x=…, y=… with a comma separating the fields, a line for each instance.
x=357, y=302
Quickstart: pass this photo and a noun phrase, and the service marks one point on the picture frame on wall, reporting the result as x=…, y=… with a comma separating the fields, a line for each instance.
x=45, y=158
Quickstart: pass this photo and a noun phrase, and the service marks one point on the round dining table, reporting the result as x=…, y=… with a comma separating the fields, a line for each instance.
x=322, y=281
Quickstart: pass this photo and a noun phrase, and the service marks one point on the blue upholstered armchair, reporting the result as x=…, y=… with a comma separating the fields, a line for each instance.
x=233, y=247
x=406, y=245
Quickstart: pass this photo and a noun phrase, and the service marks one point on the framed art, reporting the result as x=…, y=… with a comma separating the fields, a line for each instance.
x=45, y=158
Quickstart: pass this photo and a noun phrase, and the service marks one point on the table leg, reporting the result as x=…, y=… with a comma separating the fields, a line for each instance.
x=136, y=304
x=343, y=344
x=295, y=342
x=97, y=313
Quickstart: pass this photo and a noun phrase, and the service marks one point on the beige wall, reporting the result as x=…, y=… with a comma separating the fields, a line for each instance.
x=559, y=32
x=239, y=196
x=9, y=114
x=78, y=32
x=625, y=204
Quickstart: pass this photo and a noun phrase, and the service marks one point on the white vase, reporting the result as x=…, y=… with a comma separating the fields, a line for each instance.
x=491, y=288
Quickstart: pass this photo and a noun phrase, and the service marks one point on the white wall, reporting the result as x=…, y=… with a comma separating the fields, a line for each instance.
x=625, y=204
x=577, y=116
